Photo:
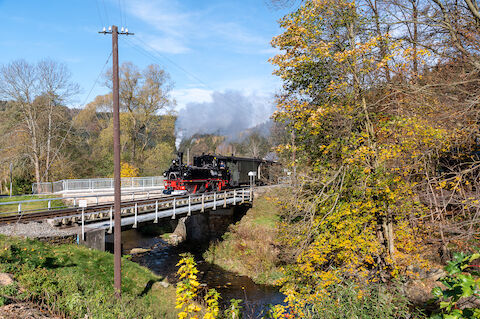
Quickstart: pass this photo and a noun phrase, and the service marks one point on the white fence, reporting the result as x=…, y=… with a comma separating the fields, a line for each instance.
x=96, y=184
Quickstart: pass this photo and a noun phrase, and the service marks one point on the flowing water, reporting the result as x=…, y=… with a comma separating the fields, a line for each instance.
x=162, y=260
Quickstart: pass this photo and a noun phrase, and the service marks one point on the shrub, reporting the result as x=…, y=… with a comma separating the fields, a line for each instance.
x=461, y=282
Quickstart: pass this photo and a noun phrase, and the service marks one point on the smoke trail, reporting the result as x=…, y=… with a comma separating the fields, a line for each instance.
x=229, y=113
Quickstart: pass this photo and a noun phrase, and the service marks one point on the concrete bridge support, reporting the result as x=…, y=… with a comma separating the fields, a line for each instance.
x=207, y=225
x=93, y=239
x=196, y=229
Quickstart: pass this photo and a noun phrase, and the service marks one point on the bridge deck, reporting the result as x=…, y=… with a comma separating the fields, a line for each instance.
x=152, y=210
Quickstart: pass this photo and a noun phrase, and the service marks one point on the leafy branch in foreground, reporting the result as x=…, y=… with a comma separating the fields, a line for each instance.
x=188, y=295
x=462, y=288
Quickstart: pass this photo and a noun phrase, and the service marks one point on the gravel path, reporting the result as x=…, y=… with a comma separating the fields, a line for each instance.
x=36, y=230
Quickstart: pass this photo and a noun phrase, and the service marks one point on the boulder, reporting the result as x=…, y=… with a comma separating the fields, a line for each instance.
x=175, y=239
x=135, y=251
x=6, y=279
x=160, y=285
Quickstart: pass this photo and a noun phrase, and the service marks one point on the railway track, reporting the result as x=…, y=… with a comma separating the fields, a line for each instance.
x=42, y=215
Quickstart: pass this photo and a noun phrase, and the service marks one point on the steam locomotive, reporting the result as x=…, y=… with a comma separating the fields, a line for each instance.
x=214, y=173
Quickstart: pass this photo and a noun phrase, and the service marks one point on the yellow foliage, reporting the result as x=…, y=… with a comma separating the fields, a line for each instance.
x=351, y=219
x=128, y=170
x=187, y=288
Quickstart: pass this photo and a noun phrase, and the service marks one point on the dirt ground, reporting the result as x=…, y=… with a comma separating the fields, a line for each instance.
x=24, y=310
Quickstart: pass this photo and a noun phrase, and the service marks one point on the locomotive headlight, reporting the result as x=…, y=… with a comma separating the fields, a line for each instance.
x=164, y=174
x=185, y=174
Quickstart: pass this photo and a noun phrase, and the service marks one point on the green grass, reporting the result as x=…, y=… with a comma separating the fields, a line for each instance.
x=78, y=282
x=28, y=206
x=249, y=246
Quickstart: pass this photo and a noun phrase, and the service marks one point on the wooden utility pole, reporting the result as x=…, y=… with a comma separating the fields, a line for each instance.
x=117, y=232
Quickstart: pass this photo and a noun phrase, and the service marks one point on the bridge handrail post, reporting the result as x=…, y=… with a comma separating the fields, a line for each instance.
x=203, y=203
x=111, y=220
x=225, y=199
x=174, y=207
x=243, y=195
x=156, y=212
x=19, y=208
x=189, y=206
x=214, y=200
x=135, y=222
x=234, y=197
x=49, y=204
x=83, y=223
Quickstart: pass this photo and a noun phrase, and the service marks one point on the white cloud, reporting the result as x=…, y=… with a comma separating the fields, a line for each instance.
x=179, y=28
x=165, y=44
x=167, y=18
x=270, y=51
x=191, y=95
x=235, y=33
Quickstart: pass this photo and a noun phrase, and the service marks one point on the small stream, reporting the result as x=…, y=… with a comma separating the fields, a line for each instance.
x=162, y=260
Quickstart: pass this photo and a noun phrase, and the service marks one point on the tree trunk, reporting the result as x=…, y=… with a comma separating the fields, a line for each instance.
x=415, y=36
x=390, y=237
x=36, y=164
x=49, y=138
x=134, y=139
x=383, y=45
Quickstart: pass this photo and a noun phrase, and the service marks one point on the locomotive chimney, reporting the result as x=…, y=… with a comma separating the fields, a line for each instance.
x=180, y=158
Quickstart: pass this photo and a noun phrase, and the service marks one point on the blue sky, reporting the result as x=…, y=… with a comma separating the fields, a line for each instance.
x=206, y=46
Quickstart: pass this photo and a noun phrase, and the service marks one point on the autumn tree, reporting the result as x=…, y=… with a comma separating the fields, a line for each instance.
x=38, y=93
x=143, y=95
x=381, y=98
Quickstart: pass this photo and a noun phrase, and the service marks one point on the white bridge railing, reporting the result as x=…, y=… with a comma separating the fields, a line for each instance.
x=173, y=207
x=96, y=184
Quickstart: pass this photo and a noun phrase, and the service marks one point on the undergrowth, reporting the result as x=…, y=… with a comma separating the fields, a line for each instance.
x=250, y=247
x=347, y=300
x=77, y=282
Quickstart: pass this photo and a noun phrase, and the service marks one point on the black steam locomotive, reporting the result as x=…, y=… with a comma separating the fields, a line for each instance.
x=214, y=173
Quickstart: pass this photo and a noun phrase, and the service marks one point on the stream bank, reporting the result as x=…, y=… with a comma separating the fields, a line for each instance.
x=241, y=264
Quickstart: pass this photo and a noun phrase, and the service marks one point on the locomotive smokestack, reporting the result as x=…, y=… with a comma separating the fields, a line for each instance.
x=180, y=158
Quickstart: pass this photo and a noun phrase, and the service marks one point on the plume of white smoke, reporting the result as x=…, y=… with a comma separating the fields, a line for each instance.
x=228, y=113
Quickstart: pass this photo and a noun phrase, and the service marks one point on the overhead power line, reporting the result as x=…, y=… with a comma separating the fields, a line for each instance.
x=99, y=13
x=124, y=13
x=162, y=56
x=106, y=12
